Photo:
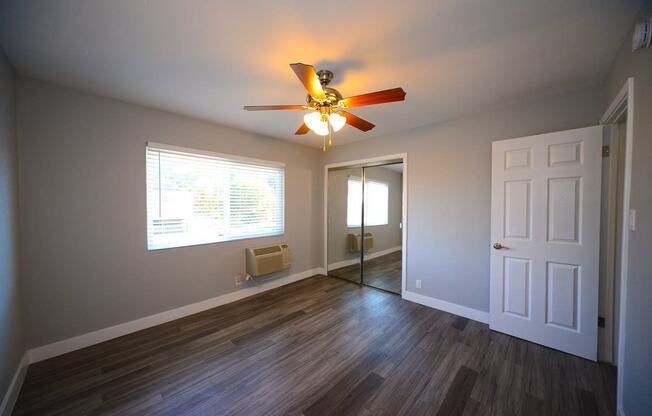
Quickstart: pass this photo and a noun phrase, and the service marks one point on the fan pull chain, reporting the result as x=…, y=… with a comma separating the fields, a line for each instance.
x=323, y=149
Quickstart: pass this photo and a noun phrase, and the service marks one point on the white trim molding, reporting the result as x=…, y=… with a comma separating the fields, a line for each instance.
x=442, y=305
x=81, y=341
x=208, y=153
x=11, y=395
x=375, y=254
x=621, y=104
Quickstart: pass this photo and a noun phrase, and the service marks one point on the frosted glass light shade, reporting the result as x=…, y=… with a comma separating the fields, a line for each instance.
x=337, y=121
x=314, y=122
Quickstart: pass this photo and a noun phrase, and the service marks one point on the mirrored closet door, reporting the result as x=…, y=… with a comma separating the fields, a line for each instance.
x=382, y=223
x=344, y=223
x=364, y=224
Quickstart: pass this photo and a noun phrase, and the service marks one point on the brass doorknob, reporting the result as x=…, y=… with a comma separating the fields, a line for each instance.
x=499, y=246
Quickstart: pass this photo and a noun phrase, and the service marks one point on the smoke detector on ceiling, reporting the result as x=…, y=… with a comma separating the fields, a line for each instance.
x=642, y=35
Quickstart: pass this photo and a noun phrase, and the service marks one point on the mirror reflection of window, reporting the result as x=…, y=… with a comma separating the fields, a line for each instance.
x=376, y=202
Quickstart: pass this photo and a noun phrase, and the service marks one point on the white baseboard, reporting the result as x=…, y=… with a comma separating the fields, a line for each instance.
x=85, y=340
x=11, y=395
x=621, y=411
x=320, y=270
x=442, y=305
x=344, y=263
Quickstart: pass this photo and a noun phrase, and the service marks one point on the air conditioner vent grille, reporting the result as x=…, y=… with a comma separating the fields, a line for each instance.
x=267, y=250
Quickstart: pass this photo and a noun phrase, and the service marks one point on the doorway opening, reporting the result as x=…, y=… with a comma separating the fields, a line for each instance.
x=611, y=237
x=365, y=222
x=619, y=122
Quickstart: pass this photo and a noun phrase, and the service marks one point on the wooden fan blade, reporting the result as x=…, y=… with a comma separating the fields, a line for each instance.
x=357, y=122
x=378, y=97
x=273, y=107
x=303, y=129
x=309, y=79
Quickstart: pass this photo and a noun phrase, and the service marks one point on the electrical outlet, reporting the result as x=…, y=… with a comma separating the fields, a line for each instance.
x=418, y=284
x=238, y=279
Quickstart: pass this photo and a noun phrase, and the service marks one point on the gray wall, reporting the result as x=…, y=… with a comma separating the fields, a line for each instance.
x=449, y=188
x=385, y=236
x=637, y=397
x=11, y=336
x=83, y=216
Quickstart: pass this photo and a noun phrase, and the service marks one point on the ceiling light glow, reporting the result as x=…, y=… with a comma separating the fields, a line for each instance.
x=337, y=121
x=316, y=124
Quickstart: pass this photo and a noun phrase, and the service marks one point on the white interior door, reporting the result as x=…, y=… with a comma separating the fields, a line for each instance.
x=545, y=231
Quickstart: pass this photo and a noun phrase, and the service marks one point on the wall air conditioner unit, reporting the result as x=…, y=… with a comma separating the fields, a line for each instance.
x=355, y=244
x=268, y=259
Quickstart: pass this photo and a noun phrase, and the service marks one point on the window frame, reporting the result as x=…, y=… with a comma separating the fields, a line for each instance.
x=220, y=156
x=359, y=179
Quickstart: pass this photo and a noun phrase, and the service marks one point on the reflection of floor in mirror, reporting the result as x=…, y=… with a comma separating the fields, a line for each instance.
x=383, y=272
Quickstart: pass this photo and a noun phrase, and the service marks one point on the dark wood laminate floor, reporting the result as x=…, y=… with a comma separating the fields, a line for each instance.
x=383, y=272
x=321, y=346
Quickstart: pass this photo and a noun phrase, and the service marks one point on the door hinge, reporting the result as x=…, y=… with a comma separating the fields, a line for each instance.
x=605, y=151
x=600, y=322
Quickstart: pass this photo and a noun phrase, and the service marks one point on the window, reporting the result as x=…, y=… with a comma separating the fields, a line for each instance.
x=376, y=202
x=354, y=202
x=196, y=197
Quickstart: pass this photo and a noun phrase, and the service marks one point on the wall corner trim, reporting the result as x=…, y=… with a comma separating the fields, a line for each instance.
x=11, y=395
x=105, y=334
x=442, y=305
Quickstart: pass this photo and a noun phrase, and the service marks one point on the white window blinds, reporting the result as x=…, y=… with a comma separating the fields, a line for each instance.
x=354, y=202
x=376, y=203
x=196, y=197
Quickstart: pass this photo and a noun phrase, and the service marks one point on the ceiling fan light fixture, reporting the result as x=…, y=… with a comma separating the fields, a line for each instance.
x=337, y=121
x=316, y=124
x=327, y=106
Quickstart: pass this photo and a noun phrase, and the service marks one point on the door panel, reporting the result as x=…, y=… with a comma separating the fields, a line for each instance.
x=564, y=154
x=517, y=209
x=518, y=158
x=564, y=215
x=517, y=286
x=562, y=281
x=545, y=215
x=344, y=223
x=383, y=219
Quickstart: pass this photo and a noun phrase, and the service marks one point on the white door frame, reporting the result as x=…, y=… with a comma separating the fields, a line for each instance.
x=361, y=163
x=623, y=102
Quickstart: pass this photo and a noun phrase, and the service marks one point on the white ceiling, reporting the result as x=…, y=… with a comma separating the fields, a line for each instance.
x=209, y=58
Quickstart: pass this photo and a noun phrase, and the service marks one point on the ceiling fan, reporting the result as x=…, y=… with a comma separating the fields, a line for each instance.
x=327, y=107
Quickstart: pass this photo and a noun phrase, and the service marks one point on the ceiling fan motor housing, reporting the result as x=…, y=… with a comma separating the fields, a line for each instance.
x=325, y=76
x=332, y=99
x=333, y=96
